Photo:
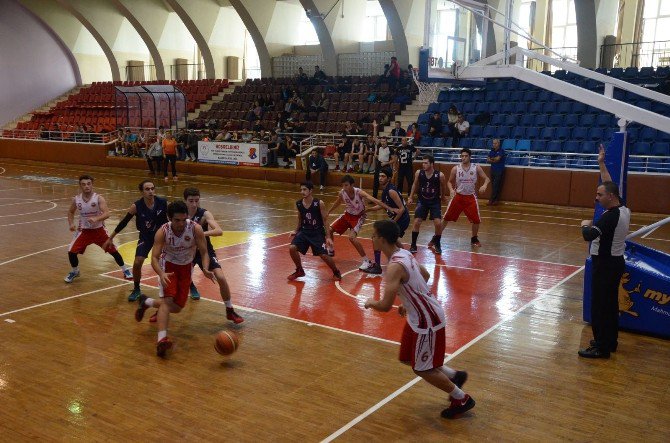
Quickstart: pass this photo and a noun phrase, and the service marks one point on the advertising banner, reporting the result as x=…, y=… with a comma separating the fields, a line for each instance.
x=233, y=153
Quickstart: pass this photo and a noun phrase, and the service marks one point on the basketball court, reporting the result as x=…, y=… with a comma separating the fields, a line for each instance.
x=313, y=364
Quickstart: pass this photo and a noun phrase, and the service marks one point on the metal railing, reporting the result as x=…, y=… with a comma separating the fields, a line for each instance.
x=539, y=66
x=187, y=71
x=637, y=54
x=59, y=136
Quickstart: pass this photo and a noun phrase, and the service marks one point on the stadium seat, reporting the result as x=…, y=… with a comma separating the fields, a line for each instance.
x=509, y=144
x=571, y=146
x=641, y=148
x=563, y=133
x=596, y=134
x=548, y=133
x=554, y=146
x=661, y=149
x=579, y=133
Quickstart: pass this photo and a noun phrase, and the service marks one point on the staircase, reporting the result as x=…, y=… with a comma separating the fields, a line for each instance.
x=45, y=107
x=409, y=115
x=209, y=103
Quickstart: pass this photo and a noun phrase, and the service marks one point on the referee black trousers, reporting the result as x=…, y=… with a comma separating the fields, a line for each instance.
x=605, y=278
x=405, y=173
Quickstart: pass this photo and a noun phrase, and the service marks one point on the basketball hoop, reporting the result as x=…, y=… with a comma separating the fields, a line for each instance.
x=428, y=92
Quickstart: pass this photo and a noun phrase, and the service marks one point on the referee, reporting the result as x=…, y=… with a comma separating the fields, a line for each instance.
x=607, y=238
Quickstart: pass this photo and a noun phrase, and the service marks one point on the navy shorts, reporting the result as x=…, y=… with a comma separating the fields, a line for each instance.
x=403, y=224
x=213, y=261
x=144, y=245
x=314, y=239
x=424, y=208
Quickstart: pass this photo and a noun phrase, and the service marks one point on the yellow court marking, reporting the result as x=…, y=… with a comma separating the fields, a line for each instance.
x=229, y=238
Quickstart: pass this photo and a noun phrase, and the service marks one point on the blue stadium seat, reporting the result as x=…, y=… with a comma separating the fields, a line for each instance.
x=540, y=120
x=596, y=134
x=580, y=133
x=530, y=96
x=647, y=134
x=518, y=132
x=646, y=72
x=466, y=142
x=660, y=148
x=571, y=146
x=489, y=131
x=630, y=73
x=494, y=108
x=616, y=72
x=481, y=107
x=492, y=96
x=423, y=118
x=511, y=120
x=560, y=74
x=555, y=146
x=563, y=133
x=515, y=96
x=588, y=147
x=443, y=97
x=549, y=107
x=544, y=96
x=533, y=132
x=438, y=142
x=423, y=128
x=571, y=120
x=662, y=72
x=633, y=133
x=497, y=119
x=555, y=120
x=476, y=130
x=587, y=120
x=468, y=108
x=641, y=148
x=644, y=104
x=503, y=132
x=508, y=107
x=448, y=141
x=426, y=141
x=603, y=120
x=564, y=107
x=434, y=107
x=534, y=108
x=548, y=133
x=539, y=145
x=578, y=108
x=523, y=145
x=444, y=107
x=509, y=144
x=527, y=120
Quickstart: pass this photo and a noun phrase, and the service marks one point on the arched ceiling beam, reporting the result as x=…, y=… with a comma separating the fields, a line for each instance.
x=257, y=37
x=200, y=40
x=325, y=39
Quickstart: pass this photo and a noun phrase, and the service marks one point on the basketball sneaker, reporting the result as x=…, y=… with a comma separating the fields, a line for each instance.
x=374, y=268
x=337, y=275
x=413, y=249
x=71, y=276
x=458, y=407
x=127, y=274
x=162, y=347
x=437, y=249
x=474, y=241
x=139, y=313
x=195, y=295
x=460, y=378
x=330, y=252
x=134, y=295
x=297, y=274
x=365, y=264
x=232, y=316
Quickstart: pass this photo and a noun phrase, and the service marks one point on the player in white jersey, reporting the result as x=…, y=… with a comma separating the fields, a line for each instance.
x=353, y=219
x=424, y=335
x=172, y=259
x=93, y=211
x=464, y=197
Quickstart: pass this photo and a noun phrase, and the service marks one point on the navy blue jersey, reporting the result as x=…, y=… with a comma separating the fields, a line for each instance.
x=198, y=218
x=429, y=187
x=405, y=156
x=149, y=220
x=310, y=218
x=388, y=201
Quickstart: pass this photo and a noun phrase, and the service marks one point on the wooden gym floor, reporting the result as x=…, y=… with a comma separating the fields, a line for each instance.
x=313, y=364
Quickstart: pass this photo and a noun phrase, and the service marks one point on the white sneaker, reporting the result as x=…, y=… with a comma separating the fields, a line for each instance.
x=321, y=187
x=71, y=276
x=365, y=265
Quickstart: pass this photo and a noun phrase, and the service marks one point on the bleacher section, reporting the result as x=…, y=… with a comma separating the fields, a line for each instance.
x=349, y=100
x=546, y=129
x=94, y=105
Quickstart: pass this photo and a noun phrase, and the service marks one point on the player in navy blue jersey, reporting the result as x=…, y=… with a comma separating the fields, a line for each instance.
x=150, y=214
x=432, y=190
x=212, y=229
x=310, y=232
x=393, y=199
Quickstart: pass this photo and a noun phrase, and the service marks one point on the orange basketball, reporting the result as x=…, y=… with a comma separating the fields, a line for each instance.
x=226, y=342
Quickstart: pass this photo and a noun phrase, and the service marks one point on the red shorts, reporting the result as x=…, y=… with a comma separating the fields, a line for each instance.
x=87, y=237
x=348, y=221
x=463, y=203
x=180, y=282
x=424, y=351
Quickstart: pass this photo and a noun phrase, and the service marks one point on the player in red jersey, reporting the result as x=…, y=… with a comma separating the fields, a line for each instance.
x=424, y=335
x=93, y=212
x=172, y=257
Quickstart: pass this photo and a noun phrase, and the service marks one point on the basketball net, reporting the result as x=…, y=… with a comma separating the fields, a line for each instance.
x=428, y=92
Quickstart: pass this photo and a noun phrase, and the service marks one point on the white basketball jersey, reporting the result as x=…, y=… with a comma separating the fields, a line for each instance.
x=87, y=209
x=179, y=249
x=424, y=312
x=355, y=205
x=466, y=179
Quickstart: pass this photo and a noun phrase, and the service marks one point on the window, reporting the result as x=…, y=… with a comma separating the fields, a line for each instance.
x=252, y=63
x=374, y=26
x=525, y=22
x=306, y=33
x=563, y=25
x=655, y=33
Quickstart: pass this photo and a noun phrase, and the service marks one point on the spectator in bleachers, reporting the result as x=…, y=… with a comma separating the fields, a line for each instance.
x=160, y=135
x=435, y=125
x=288, y=149
x=273, y=151
x=268, y=102
x=452, y=119
x=343, y=151
x=155, y=158
x=79, y=134
x=169, y=155
x=322, y=104
x=394, y=74
x=56, y=134
x=256, y=112
x=192, y=146
x=320, y=77
x=302, y=77
x=462, y=129
x=130, y=143
x=357, y=150
x=226, y=133
x=367, y=157
x=182, y=140
x=414, y=134
x=44, y=134
x=398, y=133
x=246, y=136
x=496, y=159
x=384, y=77
x=119, y=143
x=384, y=157
x=316, y=163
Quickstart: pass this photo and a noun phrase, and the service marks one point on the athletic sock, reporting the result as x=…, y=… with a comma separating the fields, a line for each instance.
x=75, y=269
x=474, y=239
x=457, y=393
x=149, y=302
x=163, y=334
x=228, y=303
x=451, y=372
x=378, y=257
x=415, y=235
x=136, y=285
x=436, y=239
